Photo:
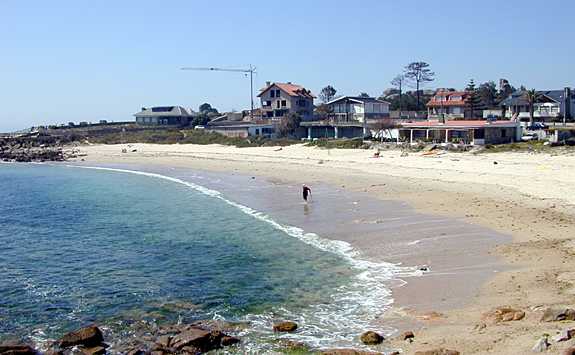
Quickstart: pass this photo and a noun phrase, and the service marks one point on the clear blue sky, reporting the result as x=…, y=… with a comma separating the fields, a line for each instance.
x=76, y=60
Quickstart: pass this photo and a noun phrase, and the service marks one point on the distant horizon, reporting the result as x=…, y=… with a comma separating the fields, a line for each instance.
x=64, y=62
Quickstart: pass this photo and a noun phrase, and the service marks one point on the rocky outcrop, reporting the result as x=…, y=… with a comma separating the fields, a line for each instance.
x=28, y=149
x=15, y=348
x=371, y=338
x=286, y=326
x=556, y=314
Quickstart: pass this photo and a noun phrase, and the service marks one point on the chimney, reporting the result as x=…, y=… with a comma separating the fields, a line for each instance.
x=567, y=105
x=289, y=82
x=268, y=83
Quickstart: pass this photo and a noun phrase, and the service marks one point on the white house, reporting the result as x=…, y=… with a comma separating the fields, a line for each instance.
x=360, y=109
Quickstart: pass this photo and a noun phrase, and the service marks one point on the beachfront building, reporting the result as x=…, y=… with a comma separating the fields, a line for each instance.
x=361, y=109
x=550, y=105
x=281, y=99
x=475, y=132
x=163, y=115
x=450, y=105
x=241, y=129
x=349, y=117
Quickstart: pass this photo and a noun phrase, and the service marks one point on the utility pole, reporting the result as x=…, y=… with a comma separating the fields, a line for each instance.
x=251, y=70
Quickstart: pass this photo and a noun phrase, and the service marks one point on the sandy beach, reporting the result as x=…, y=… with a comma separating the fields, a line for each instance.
x=524, y=197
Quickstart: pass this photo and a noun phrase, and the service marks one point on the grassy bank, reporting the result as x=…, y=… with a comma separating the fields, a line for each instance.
x=183, y=136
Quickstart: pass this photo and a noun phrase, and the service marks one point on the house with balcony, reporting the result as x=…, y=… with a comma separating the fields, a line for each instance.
x=550, y=105
x=361, y=109
x=450, y=105
x=349, y=117
x=281, y=99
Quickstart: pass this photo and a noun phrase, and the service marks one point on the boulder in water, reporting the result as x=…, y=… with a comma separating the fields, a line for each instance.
x=371, y=338
x=87, y=337
x=286, y=326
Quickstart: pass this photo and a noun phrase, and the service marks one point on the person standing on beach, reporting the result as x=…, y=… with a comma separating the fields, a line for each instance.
x=306, y=192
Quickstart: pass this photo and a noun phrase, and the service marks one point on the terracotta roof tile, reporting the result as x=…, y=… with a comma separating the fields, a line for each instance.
x=290, y=89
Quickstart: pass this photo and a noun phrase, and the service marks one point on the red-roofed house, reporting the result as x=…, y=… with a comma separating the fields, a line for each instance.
x=281, y=99
x=450, y=105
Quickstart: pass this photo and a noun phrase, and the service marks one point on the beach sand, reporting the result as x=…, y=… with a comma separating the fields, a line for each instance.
x=526, y=196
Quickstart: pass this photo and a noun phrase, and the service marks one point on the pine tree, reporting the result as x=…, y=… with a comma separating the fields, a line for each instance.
x=473, y=100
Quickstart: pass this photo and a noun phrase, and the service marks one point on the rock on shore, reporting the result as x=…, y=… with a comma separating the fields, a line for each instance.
x=28, y=149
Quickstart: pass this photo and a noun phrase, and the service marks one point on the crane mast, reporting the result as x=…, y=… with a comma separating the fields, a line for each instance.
x=251, y=70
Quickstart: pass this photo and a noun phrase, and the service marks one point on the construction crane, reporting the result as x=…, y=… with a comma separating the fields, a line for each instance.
x=251, y=70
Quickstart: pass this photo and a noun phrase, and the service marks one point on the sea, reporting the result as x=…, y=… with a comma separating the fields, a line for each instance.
x=114, y=246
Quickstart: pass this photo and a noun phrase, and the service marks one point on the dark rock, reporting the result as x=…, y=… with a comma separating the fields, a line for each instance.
x=137, y=352
x=566, y=334
x=197, y=338
x=407, y=336
x=229, y=340
x=371, y=338
x=87, y=337
x=15, y=348
x=286, y=326
x=558, y=314
x=96, y=350
x=439, y=351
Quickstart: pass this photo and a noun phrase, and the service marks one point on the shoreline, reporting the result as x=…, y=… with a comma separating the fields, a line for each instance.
x=540, y=221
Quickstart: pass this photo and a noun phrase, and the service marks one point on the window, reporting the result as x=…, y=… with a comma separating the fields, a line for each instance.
x=284, y=103
x=278, y=103
x=503, y=133
x=267, y=103
x=257, y=131
x=278, y=93
x=273, y=93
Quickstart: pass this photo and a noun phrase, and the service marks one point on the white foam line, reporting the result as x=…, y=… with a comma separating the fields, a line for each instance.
x=352, y=307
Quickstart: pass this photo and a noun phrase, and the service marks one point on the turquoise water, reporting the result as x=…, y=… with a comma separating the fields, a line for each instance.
x=81, y=245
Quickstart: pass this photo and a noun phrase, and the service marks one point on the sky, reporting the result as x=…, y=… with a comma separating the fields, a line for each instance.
x=63, y=61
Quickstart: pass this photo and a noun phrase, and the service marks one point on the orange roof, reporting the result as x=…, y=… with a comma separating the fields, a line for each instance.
x=436, y=103
x=290, y=89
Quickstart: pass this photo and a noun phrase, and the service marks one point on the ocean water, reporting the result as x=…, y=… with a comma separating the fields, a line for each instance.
x=82, y=245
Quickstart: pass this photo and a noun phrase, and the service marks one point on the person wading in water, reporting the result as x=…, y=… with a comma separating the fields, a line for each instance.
x=306, y=192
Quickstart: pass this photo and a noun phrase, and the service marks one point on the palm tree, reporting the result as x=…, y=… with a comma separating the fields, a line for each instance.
x=531, y=96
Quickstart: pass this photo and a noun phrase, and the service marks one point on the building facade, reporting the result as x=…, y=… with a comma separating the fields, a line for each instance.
x=281, y=99
x=360, y=109
x=163, y=115
x=475, y=132
x=550, y=105
x=242, y=129
x=450, y=105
